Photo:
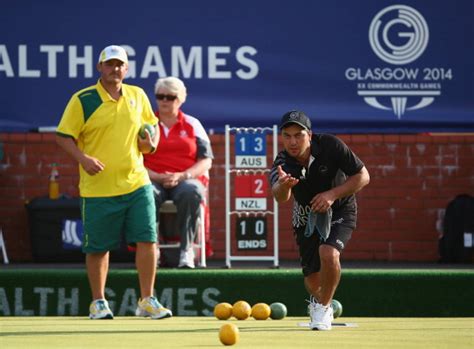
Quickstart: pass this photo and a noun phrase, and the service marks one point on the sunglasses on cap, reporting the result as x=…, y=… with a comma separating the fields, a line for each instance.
x=165, y=97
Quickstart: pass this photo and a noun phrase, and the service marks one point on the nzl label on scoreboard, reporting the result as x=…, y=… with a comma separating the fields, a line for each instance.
x=250, y=150
x=251, y=192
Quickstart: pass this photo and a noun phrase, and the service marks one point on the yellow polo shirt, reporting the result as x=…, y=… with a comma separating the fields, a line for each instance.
x=107, y=130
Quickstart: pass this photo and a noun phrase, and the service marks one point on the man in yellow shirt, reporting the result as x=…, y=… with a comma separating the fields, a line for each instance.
x=99, y=129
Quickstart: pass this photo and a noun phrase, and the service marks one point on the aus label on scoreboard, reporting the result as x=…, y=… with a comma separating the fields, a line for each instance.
x=251, y=233
x=250, y=161
x=250, y=150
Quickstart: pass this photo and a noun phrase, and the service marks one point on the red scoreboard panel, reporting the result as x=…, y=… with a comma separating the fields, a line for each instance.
x=251, y=186
x=251, y=192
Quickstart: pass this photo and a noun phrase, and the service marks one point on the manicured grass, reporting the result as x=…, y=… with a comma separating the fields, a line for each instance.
x=202, y=332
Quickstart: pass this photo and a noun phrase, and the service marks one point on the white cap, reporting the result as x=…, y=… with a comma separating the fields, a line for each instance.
x=113, y=52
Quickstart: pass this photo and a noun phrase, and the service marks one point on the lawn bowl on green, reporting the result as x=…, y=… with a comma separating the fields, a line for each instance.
x=147, y=127
x=278, y=311
x=337, y=308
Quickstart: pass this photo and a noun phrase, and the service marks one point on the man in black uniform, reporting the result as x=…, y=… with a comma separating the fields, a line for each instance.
x=323, y=175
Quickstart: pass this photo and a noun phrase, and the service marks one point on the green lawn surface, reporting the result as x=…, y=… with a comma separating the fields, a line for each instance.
x=202, y=332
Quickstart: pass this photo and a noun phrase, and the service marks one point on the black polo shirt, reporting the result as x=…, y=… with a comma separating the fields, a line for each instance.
x=333, y=163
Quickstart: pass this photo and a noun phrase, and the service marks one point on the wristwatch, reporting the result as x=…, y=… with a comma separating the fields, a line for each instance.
x=188, y=175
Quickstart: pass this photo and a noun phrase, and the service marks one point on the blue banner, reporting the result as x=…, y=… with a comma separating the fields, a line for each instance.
x=353, y=66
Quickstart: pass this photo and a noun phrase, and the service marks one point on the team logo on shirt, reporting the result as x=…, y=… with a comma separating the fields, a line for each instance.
x=133, y=103
x=183, y=133
x=323, y=169
x=300, y=215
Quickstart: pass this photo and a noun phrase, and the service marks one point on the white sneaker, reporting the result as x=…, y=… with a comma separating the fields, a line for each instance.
x=150, y=307
x=321, y=316
x=186, y=259
x=99, y=310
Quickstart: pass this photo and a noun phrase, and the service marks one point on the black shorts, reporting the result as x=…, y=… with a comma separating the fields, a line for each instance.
x=341, y=232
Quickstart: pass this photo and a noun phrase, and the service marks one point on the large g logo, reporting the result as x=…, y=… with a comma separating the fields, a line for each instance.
x=414, y=37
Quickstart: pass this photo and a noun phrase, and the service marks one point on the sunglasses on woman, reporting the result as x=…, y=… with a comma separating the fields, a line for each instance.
x=161, y=97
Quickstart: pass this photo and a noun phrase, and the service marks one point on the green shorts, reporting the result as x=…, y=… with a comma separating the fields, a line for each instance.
x=105, y=219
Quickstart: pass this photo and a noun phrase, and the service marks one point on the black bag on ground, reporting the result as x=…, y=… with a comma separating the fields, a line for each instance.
x=456, y=244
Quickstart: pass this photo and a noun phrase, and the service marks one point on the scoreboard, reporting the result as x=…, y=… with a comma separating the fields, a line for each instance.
x=252, y=199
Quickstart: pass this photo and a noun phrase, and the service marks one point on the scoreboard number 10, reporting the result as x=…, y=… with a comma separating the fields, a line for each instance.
x=259, y=227
x=251, y=233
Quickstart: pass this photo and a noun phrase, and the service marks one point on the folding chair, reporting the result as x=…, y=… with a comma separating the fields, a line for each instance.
x=169, y=207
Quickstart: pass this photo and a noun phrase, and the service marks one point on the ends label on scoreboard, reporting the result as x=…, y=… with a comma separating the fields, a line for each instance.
x=251, y=233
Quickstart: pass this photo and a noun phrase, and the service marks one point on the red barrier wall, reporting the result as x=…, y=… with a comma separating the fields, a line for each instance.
x=413, y=177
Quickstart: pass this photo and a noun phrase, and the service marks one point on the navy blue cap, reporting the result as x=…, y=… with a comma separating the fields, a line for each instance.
x=295, y=117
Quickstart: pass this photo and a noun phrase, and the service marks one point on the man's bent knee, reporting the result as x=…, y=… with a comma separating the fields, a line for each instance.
x=328, y=254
